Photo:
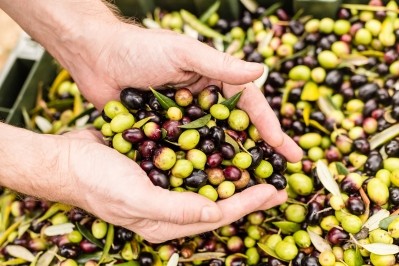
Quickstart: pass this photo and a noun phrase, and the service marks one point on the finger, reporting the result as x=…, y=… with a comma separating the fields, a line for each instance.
x=279, y=198
x=233, y=208
x=262, y=116
x=207, y=61
x=290, y=149
x=180, y=207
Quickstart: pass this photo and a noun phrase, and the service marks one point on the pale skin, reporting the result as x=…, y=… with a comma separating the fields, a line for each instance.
x=105, y=55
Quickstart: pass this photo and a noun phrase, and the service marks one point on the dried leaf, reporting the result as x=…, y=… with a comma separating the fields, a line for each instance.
x=269, y=251
x=20, y=252
x=232, y=101
x=385, y=222
x=327, y=179
x=354, y=59
x=43, y=124
x=373, y=222
x=174, y=260
x=58, y=229
x=262, y=79
x=287, y=227
x=381, y=248
x=318, y=242
x=163, y=100
x=200, y=122
x=87, y=234
x=47, y=257
x=203, y=256
x=384, y=136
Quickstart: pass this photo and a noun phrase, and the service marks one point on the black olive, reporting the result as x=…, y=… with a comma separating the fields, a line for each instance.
x=297, y=261
x=276, y=80
x=373, y=163
x=334, y=79
x=158, y=178
x=313, y=216
x=394, y=195
x=197, y=179
x=154, y=103
x=369, y=107
x=277, y=180
x=367, y=91
x=279, y=162
x=69, y=250
x=392, y=148
x=132, y=98
x=257, y=156
x=358, y=80
x=296, y=27
x=217, y=135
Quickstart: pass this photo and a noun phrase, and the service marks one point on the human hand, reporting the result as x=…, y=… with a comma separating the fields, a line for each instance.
x=114, y=188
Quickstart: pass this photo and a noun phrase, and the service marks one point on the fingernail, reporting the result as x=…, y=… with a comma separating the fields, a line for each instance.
x=253, y=67
x=210, y=214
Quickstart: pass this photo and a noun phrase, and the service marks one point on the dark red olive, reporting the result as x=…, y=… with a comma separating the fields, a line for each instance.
x=69, y=250
x=217, y=135
x=207, y=146
x=257, y=156
x=152, y=130
x=337, y=236
x=185, y=120
x=344, y=13
x=232, y=173
x=392, y=148
x=76, y=215
x=173, y=130
x=147, y=148
x=87, y=247
x=158, y=178
x=147, y=165
x=197, y=179
x=132, y=98
x=355, y=205
x=227, y=150
x=369, y=107
x=214, y=160
x=133, y=135
x=277, y=180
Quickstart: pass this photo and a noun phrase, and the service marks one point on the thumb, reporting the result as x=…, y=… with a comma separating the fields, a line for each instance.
x=181, y=207
x=209, y=62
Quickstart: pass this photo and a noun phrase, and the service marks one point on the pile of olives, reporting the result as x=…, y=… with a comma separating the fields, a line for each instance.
x=203, y=144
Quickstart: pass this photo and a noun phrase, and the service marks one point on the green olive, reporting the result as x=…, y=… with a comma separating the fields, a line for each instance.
x=309, y=140
x=264, y=169
x=219, y=111
x=106, y=130
x=374, y=26
x=363, y=36
x=99, y=122
x=351, y=258
x=273, y=240
x=182, y=168
x=99, y=229
x=312, y=25
x=377, y=191
x=391, y=164
x=385, y=176
x=113, y=108
x=197, y=158
x=327, y=258
x=175, y=181
x=121, y=122
x=127, y=252
x=120, y=144
x=226, y=189
x=238, y=120
x=315, y=154
x=174, y=113
x=301, y=184
x=300, y=72
x=189, y=139
x=327, y=59
x=254, y=133
x=341, y=26
x=302, y=239
x=59, y=218
x=352, y=224
x=286, y=250
x=209, y=192
x=165, y=158
x=249, y=242
x=253, y=256
x=318, y=74
x=295, y=213
x=242, y=160
x=382, y=260
x=68, y=262
x=329, y=222
x=75, y=236
x=326, y=25
x=393, y=228
x=183, y=97
x=380, y=236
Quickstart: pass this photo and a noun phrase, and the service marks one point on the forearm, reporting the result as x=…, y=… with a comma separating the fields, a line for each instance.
x=31, y=163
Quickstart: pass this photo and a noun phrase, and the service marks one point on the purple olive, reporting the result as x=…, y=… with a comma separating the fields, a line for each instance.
x=133, y=135
x=232, y=173
x=158, y=178
x=214, y=160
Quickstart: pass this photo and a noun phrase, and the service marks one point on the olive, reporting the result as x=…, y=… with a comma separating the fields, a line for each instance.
x=215, y=159
x=278, y=162
x=183, y=97
x=124, y=234
x=105, y=117
x=277, y=180
x=164, y=158
x=351, y=224
x=208, y=97
x=203, y=131
x=209, y=192
x=69, y=250
x=276, y=80
x=87, y=247
x=297, y=261
x=174, y=113
x=158, y=178
x=147, y=148
x=197, y=179
x=383, y=97
x=113, y=108
x=194, y=112
x=217, y=135
x=296, y=27
x=367, y=91
x=334, y=79
x=257, y=156
x=216, y=175
x=238, y=120
x=337, y=236
x=145, y=258
x=242, y=160
x=394, y=195
x=155, y=117
x=313, y=216
x=197, y=158
x=373, y=163
x=395, y=98
x=392, y=148
x=132, y=98
x=226, y=189
x=188, y=139
x=286, y=250
x=232, y=173
x=369, y=107
x=310, y=261
x=318, y=116
x=154, y=104
x=207, y=146
x=355, y=205
x=361, y=145
x=182, y=168
x=227, y=150
x=173, y=130
x=152, y=131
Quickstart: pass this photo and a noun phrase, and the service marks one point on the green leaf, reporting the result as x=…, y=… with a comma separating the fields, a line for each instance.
x=163, y=100
x=129, y=263
x=287, y=227
x=231, y=141
x=341, y=169
x=200, y=122
x=269, y=251
x=385, y=222
x=87, y=234
x=384, y=136
x=232, y=101
x=108, y=242
x=82, y=259
x=142, y=122
x=210, y=11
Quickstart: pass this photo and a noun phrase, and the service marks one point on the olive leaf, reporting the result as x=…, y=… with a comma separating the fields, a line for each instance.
x=381, y=248
x=231, y=141
x=327, y=179
x=82, y=259
x=354, y=59
x=306, y=114
x=20, y=252
x=58, y=229
x=37, y=256
x=85, y=113
x=384, y=136
x=24, y=227
x=317, y=125
x=269, y=251
x=287, y=227
x=373, y=222
x=174, y=260
x=251, y=5
x=200, y=122
x=87, y=234
x=341, y=169
x=47, y=257
x=203, y=256
x=56, y=207
x=108, y=242
x=318, y=242
x=163, y=100
x=210, y=11
x=142, y=122
x=385, y=222
x=232, y=101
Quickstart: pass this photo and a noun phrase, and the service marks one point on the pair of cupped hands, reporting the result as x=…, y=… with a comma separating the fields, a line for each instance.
x=115, y=188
